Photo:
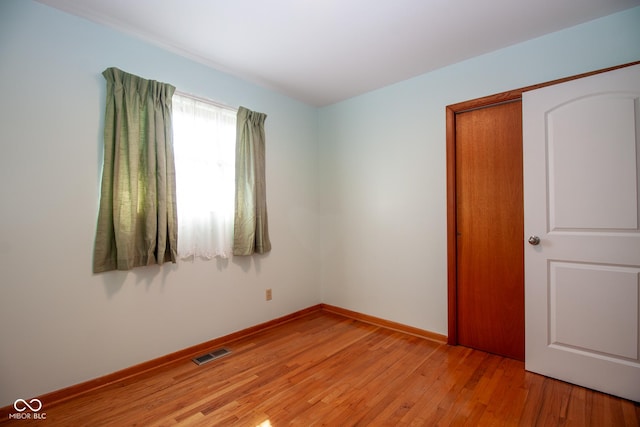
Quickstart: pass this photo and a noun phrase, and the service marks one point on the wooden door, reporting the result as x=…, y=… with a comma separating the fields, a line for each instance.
x=489, y=228
x=582, y=200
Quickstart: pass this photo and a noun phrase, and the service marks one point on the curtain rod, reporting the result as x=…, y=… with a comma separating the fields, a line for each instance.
x=207, y=100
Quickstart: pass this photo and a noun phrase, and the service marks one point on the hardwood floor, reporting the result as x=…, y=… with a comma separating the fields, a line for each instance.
x=328, y=370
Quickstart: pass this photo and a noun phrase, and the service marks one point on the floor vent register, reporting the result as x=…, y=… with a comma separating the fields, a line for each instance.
x=206, y=358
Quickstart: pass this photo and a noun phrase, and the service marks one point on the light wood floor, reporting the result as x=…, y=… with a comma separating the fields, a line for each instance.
x=325, y=369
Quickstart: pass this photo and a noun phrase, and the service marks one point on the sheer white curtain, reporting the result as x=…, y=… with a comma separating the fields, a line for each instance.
x=204, y=144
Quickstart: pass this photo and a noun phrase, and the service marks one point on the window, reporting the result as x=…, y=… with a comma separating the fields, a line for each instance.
x=204, y=136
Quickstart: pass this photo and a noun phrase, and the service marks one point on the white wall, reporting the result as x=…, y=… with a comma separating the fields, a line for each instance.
x=59, y=323
x=383, y=171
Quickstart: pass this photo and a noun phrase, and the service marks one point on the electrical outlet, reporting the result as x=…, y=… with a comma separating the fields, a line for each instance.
x=268, y=295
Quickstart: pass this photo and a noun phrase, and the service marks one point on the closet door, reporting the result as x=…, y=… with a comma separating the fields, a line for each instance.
x=489, y=225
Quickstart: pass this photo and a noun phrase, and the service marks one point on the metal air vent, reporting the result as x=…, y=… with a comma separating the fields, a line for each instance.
x=217, y=354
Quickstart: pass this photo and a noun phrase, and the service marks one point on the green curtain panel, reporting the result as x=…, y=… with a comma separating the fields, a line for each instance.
x=137, y=220
x=251, y=231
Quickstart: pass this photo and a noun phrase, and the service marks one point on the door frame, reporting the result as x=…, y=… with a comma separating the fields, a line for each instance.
x=451, y=111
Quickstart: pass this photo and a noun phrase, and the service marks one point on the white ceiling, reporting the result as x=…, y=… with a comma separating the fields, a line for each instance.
x=325, y=51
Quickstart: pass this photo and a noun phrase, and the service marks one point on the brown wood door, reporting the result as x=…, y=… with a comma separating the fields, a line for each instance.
x=489, y=229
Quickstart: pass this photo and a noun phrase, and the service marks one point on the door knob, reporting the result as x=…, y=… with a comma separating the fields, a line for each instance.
x=534, y=240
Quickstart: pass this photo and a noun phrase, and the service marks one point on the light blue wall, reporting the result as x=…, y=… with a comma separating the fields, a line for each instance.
x=383, y=171
x=59, y=323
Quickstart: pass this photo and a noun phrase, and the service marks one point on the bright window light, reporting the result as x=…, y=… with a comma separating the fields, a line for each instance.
x=204, y=145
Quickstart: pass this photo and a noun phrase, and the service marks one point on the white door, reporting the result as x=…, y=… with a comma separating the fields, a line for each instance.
x=581, y=149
